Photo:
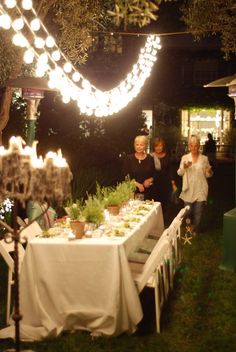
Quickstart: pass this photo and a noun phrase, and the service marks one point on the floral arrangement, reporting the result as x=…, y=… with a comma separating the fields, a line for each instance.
x=75, y=210
x=6, y=212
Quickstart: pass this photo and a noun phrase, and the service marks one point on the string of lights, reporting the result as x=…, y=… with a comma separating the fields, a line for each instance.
x=51, y=62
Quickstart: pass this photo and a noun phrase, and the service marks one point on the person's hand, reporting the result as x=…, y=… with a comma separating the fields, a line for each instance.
x=208, y=171
x=148, y=182
x=140, y=187
x=187, y=164
x=174, y=187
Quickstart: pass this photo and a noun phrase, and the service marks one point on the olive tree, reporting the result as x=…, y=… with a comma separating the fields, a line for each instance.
x=212, y=17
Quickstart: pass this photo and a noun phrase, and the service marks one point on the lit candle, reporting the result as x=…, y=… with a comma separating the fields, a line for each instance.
x=15, y=144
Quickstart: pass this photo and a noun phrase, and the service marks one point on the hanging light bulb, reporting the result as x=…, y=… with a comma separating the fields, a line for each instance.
x=18, y=24
x=35, y=24
x=50, y=42
x=90, y=100
x=56, y=55
x=66, y=99
x=76, y=76
x=28, y=56
x=86, y=85
x=19, y=40
x=43, y=58
x=27, y=4
x=10, y=3
x=41, y=70
x=67, y=67
x=39, y=42
x=5, y=21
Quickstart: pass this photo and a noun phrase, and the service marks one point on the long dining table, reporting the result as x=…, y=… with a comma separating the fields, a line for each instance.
x=84, y=284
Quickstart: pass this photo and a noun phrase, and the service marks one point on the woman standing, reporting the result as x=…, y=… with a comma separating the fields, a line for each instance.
x=195, y=169
x=163, y=179
x=140, y=167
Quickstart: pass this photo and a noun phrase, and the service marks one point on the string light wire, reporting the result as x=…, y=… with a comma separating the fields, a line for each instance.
x=71, y=84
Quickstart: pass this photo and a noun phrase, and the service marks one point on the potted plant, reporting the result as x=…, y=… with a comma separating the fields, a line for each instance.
x=113, y=201
x=126, y=189
x=77, y=221
x=93, y=210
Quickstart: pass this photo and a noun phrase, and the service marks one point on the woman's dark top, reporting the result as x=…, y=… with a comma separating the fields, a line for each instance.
x=140, y=170
x=162, y=181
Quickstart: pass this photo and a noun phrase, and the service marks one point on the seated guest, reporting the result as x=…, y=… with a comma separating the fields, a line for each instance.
x=37, y=211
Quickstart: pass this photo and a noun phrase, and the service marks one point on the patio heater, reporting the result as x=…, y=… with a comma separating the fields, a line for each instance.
x=32, y=89
x=229, y=221
x=24, y=176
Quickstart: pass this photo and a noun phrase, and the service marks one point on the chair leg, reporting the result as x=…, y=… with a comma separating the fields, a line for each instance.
x=157, y=305
x=9, y=286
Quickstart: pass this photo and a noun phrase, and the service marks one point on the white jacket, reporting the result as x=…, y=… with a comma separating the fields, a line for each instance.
x=194, y=186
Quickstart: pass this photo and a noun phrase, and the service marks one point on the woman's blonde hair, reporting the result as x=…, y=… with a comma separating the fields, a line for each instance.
x=142, y=139
x=193, y=139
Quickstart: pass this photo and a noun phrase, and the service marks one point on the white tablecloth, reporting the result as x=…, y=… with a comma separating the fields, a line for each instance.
x=82, y=284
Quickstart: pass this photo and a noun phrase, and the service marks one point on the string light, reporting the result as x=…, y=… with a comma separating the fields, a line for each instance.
x=62, y=75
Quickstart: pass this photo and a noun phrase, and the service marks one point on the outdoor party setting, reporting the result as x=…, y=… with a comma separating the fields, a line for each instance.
x=117, y=175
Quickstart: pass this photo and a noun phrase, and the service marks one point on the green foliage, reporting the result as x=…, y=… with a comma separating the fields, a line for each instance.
x=134, y=12
x=230, y=137
x=75, y=209
x=116, y=195
x=167, y=125
x=76, y=20
x=93, y=211
x=204, y=18
x=8, y=56
x=127, y=189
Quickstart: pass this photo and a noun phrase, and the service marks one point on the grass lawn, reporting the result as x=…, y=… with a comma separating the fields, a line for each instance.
x=200, y=315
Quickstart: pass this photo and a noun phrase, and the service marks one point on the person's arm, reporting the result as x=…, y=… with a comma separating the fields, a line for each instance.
x=183, y=166
x=140, y=186
x=149, y=181
x=208, y=170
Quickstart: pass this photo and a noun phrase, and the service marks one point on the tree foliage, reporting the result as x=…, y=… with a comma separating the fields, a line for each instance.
x=204, y=18
x=135, y=12
x=76, y=21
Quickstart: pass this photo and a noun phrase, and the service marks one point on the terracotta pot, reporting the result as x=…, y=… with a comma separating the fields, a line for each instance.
x=113, y=209
x=77, y=228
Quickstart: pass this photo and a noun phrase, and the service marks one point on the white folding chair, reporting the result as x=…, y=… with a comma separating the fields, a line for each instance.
x=5, y=250
x=150, y=274
x=174, y=237
x=31, y=231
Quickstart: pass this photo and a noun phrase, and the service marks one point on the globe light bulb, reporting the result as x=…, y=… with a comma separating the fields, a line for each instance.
x=19, y=40
x=39, y=42
x=5, y=21
x=56, y=55
x=10, y=3
x=27, y=4
x=67, y=67
x=40, y=71
x=76, y=76
x=35, y=24
x=66, y=99
x=50, y=42
x=28, y=56
x=18, y=24
x=43, y=58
